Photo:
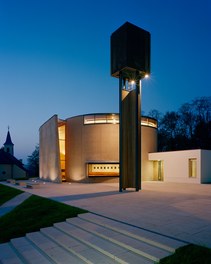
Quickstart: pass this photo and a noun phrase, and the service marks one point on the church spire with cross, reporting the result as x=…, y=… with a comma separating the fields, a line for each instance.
x=8, y=145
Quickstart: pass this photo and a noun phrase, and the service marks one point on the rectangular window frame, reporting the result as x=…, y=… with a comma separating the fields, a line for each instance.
x=192, y=167
x=104, y=169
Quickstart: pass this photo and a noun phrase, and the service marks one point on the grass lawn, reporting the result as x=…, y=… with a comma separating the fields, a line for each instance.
x=34, y=213
x=7, y=193
x=190, y=254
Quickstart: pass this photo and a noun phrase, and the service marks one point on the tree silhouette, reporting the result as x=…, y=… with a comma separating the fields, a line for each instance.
x=33, y=163
x=187, y=128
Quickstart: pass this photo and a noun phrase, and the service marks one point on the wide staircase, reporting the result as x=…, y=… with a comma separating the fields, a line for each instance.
x=89, y=238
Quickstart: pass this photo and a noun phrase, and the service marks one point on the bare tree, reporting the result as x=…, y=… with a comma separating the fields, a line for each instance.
x=187, y=119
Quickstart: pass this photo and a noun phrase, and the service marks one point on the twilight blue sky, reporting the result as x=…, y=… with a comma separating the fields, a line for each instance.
x=55, y=59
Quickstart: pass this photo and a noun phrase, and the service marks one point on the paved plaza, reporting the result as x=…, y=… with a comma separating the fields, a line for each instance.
x=181, y=211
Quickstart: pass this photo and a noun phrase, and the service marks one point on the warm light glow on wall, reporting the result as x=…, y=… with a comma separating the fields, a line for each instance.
x=146, y=121
x=114, y=119
x=61, y=130
x=101, y=119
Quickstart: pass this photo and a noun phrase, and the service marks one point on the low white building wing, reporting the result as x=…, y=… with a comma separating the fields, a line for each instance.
x=185, y=166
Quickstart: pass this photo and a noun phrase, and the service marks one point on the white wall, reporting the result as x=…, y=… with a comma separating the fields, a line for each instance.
x=148, y=144
x=176, y=165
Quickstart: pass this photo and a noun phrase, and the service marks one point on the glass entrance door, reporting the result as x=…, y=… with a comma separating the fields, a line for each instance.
x=158, y=170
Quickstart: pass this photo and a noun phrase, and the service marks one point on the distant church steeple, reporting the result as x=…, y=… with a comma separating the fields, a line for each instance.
x=8, y=145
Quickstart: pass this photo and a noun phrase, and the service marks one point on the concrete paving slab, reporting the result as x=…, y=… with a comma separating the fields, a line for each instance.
x=179, y=210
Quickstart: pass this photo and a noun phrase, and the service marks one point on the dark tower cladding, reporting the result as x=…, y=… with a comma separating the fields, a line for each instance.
x=130, y=62
x=130, y=50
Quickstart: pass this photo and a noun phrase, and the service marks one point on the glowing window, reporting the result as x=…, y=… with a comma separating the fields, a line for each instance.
x=112, y=119
x=193, y=168
x=146, y=121
x=89, y=119
x=61, y=132
x=100, y=119
x=97, y=170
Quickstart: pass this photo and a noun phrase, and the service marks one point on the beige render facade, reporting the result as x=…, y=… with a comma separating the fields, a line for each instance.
x=86, y=148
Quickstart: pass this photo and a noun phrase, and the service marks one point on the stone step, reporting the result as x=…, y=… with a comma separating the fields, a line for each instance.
x=82, y=251
x=90, y=239
x=56, y=253
x=152, y=238
x=8, y=255
x=27, y=252
x=108, y=248
x=139, y=247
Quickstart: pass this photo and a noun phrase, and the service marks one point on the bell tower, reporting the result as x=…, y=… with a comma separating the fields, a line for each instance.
x=8, y=145
x=130, y=62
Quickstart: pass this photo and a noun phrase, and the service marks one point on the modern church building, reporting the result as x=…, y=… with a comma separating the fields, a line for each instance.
x=85, y=148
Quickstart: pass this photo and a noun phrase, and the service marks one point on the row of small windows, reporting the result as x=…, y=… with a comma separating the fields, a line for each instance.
x=114, y=119
x=108, y=168
x=101, y=119
x=147, y=121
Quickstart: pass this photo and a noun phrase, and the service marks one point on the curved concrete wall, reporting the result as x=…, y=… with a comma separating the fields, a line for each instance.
x=92, y=143
x=85, y=143
x=100, y=143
